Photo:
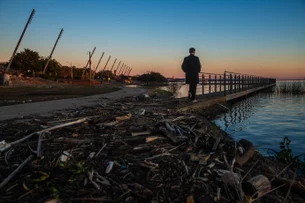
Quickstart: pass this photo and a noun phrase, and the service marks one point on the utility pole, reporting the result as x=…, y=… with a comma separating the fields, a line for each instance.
x=61, y=31
x=17, y=46
x=88, y=61
x=98, y=64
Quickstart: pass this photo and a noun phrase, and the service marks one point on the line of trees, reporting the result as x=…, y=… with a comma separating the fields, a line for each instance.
x=152, y=77
x=30, y=63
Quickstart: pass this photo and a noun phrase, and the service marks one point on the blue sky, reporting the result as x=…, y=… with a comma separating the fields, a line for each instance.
x=255, y=36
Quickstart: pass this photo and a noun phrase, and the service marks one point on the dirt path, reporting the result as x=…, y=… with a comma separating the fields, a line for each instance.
x=46, y=107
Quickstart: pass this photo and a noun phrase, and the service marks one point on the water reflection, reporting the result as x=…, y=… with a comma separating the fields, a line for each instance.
x=265, y=118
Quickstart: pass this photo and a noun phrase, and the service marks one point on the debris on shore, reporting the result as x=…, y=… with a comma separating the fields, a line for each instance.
x=137, y=149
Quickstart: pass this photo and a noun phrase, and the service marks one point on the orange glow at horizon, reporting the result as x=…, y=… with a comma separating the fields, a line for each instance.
x=280, y=70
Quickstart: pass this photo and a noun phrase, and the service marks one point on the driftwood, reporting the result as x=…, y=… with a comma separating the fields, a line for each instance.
x=72, y=140
x=257, y=186
x=6, y=180
x=295, y=185
x=140, y=133
x=170, y=135
x=49, y=129
x=250, y=150
x=123, y=118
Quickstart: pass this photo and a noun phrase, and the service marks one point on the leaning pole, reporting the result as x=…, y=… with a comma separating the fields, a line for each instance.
x=20, y=39
x=50, y=57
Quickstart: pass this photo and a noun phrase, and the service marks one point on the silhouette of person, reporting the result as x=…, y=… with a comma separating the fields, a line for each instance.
x=191, y=66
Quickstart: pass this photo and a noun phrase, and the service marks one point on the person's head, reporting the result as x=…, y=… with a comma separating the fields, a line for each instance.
x=192, y=50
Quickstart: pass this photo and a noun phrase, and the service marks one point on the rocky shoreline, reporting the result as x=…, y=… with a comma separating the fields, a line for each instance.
x=137, y=149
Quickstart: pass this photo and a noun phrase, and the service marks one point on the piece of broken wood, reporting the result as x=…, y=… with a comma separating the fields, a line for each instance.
x=6, y=180
x=250, y=150
x=122, y=118
x=257, y=186
x=49, y=129
x=140, y=133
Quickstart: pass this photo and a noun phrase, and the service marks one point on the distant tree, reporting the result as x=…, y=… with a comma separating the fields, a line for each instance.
x=77, y=73
x=53, y=70
x=105, y=74
x=27, y=62
x=152, y=77
x=66, y=71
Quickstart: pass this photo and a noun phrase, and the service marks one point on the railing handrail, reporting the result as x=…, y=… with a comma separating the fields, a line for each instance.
x=247, y=74
x=231, y=82
x=211, y=73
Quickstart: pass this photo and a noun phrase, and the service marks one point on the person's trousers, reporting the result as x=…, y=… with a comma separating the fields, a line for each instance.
x=192, y=91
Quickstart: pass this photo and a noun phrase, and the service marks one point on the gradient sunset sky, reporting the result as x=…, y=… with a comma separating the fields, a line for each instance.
x=261, y=37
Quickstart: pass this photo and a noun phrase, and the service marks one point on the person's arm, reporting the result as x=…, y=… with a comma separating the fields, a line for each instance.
x=199, y=66
x=184, y=66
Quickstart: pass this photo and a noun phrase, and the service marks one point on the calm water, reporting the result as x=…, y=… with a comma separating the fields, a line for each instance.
x=265, y=119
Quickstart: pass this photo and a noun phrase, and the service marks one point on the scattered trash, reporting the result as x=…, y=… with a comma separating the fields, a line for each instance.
x=65, y=156
x=109, y=167
x=4, y=146
x=141, y=111
x=91, y=155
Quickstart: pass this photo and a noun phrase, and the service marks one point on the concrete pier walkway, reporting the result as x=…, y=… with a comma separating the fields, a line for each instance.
x=47, y=107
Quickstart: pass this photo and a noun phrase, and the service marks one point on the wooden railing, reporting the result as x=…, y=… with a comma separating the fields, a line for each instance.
x=230, y=82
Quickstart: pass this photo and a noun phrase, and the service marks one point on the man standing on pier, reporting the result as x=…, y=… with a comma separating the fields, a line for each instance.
x=191, y=66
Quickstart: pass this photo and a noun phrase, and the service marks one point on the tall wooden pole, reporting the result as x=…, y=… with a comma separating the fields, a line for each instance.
x=20, y=39
x=117, y=68
x=129, y=72
x=126, y=70
x=45, y=68
x=98, y=64
x=89, y=67
x=123, y=69
x=112, y=65
x=111, y=69
x=120, y=69
x=88, y=61
x=106, y=63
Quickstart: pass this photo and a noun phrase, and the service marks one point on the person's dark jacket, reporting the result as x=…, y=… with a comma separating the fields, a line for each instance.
x=191, y=66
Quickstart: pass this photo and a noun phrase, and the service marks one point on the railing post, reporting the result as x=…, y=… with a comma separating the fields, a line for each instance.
x=231, y=83
x=251, y=82
x=202, y=77
x=235, y=85
x=242, y=82
x=209, y=83
x=225, y=83
x=220, y=83
x=239, y=83
x=215, y=85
